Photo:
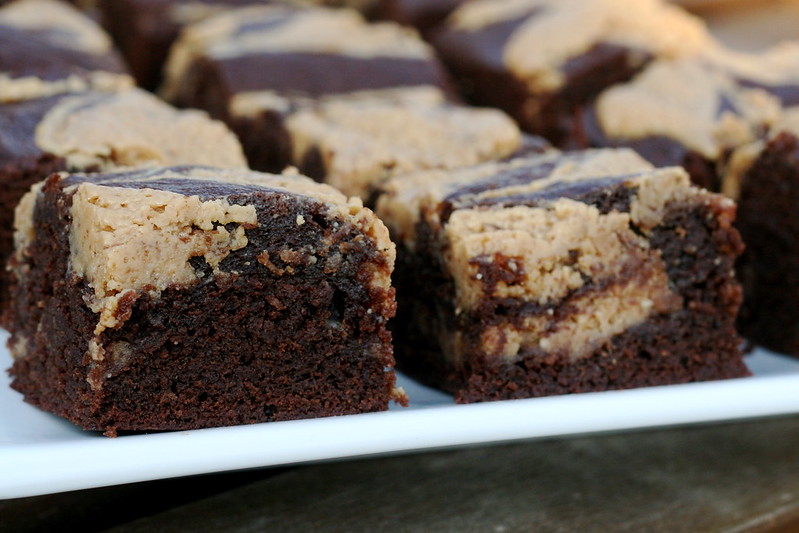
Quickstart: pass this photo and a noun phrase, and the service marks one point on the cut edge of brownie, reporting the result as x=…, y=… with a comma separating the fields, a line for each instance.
x=763, y=178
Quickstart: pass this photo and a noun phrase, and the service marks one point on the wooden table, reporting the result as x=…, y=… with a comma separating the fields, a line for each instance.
x=731, y=477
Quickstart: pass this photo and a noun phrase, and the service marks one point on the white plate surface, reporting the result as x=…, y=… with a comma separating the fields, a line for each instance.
x=40, y=453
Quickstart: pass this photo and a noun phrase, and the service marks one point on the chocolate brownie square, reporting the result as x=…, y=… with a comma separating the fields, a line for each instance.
x=562, y=273
x=764, y=179
x=357, y=143
x=389, y=116
x=48, y=47
x=189, y=297
x=688, y=112
x=94, y=131
x=541, y=60
x=145, y=30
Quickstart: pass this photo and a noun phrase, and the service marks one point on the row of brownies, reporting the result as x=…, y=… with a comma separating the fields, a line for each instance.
x=157, y=281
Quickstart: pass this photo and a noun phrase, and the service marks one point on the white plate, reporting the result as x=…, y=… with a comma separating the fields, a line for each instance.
x=40, y=453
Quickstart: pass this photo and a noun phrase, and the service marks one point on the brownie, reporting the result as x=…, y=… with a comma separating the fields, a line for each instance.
x=563, y=273
x=49, y=47
x=356, y=143
x=292, y=102
x=687, y=112
x=764, y=179
x=145, y=30
x=190, y=297
x=541, y=60
x=94, y=131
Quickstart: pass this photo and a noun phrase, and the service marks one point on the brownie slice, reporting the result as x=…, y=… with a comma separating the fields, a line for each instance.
x=688, y=112
x=775, y=70
x=356, y=143
x=190, y=297
x=764, y=179
x=48, y=47
x=424, y=15
x=253, y=66
x=562, y=273
x=93, y=131
x=145, y=30
x=541, y=60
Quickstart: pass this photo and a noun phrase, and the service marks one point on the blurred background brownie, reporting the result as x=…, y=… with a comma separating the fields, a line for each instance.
x=93, y=131
x=352, y=106
x=763, y=177
x=356, y=143
x=115, y=275
x=685, y=112
x=540, y=60
x=563, y=273
x=144, y=30
x=49, y=47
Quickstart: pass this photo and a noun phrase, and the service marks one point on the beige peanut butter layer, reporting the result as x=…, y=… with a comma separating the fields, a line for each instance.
x=281, y=29
x=366, y=138
x=53, y=48
x=557, y=232
x=689, y=101
x=550, y=32
x=134, y=128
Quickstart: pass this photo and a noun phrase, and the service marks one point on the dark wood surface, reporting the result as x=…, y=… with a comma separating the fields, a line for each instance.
x=731, y=477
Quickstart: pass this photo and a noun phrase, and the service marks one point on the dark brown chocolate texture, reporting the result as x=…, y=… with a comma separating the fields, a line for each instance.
x=423, y=15
x=253, y=88
x=769, y=192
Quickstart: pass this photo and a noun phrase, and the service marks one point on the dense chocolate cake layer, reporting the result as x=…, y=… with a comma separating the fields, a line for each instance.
x=297, y=276
x=254, y=66
x=352, y=106
x=563, y=273
x=764, y=177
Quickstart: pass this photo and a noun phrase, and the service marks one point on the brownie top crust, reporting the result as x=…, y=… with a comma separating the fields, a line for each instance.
x=561, y=242
x=48, y=47
x=689, y=101
x=743, y=157
x=365, y=139
x=345, y=52
x=137, y=230
x=407, y=199
x=534, y=38
x=97, y=130
x=133, y=128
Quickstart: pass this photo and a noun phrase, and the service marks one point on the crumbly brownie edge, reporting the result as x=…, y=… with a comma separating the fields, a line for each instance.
x=15, y=180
